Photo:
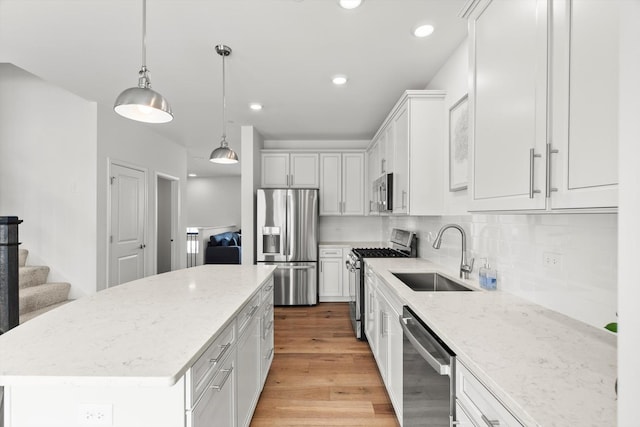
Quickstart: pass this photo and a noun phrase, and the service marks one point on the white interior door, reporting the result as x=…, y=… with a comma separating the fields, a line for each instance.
x=126, y=261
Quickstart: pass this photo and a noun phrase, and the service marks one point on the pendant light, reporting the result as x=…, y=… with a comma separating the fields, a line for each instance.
x=142, y=103
x=223, y=154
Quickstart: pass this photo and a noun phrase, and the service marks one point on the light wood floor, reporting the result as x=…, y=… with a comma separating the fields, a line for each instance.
x=321, y=374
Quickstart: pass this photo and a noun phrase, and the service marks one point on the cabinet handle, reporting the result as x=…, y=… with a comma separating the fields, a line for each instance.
x=490, y=423
x=269, y=288
x=224, y=348
x=404, y=198
x=382, y=162
x=532, y=156
x=267, y=329
x=550, y=151
x=321, y=266
x=253, y=311
x=219, y=387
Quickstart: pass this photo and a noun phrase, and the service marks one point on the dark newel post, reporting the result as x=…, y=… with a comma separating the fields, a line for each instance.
x=9, y=310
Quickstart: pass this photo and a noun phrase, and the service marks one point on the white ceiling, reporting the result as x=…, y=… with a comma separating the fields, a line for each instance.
x=284, y=55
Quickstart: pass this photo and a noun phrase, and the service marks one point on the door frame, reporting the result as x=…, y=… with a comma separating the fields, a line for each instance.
x=110, y=163
x=175, y=219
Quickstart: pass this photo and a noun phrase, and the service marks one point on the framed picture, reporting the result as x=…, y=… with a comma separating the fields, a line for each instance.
x=459, y=145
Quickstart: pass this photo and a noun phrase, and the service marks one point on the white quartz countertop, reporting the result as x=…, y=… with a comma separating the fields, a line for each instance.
x=549, y=369
x=145, y=332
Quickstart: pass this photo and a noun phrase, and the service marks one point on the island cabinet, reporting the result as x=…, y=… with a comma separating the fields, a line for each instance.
x=543, y=104
x=249, y=361
x=289, y=170
x=194, y=351
x=342, y=184
x=413, y=141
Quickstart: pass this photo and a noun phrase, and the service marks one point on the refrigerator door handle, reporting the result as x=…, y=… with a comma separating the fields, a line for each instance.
x=290, y=231
x=295, y=267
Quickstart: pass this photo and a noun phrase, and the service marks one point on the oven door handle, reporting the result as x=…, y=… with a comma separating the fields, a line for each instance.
x=440, y=368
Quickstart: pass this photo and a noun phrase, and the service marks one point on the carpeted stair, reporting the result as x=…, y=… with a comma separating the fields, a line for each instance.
x=36, y=295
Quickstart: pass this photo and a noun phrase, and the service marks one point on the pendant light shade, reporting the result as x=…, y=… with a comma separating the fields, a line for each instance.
x=223, y=154
x=142, y=103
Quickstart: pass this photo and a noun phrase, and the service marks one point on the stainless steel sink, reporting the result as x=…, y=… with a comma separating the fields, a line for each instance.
x=430, y=282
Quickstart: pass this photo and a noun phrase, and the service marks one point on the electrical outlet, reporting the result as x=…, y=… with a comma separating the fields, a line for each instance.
x=95, y=414
x=552, y=261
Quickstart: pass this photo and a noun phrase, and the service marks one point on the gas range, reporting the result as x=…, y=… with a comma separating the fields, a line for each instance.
x=378, y=253
x=403, y=244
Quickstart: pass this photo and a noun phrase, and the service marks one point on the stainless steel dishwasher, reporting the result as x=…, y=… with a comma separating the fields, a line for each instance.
x=428, y=375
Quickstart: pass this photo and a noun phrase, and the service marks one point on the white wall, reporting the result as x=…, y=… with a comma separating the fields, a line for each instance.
x=629, y=241
x=136, y=144
x=213, y=202
x=453, y=78
x=584, y=288
x=48, y=175
x=250, y=166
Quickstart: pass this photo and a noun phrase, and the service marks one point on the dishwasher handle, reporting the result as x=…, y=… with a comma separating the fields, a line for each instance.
x=440, y=368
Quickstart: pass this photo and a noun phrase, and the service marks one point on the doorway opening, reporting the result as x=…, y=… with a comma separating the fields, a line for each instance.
x=167, y=201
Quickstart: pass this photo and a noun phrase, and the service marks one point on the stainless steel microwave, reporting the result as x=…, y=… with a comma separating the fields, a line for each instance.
x=383, y=188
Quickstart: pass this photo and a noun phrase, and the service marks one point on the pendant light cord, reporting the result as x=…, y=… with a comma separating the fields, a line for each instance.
x=144, y=34
x=224, y=102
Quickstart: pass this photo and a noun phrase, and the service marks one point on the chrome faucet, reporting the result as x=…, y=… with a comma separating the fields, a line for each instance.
x=465, y=268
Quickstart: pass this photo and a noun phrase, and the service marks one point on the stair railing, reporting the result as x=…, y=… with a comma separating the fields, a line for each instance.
x=9, y=303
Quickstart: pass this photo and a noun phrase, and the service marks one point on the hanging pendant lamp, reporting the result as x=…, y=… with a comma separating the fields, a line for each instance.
x=142, y=103
x=223, y=154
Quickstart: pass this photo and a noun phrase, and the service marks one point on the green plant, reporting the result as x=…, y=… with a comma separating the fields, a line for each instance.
x=613, y=327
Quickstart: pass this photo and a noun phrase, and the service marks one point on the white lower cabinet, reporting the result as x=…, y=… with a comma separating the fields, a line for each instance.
x=383, y=330
x=462, y=418
x=218, y=400
x=224, y=384
x=333, y=277
x=248, y=377
x=479, y=406
x=267, y=346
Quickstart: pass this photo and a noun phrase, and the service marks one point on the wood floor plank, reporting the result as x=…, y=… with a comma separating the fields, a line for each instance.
x=321, y=375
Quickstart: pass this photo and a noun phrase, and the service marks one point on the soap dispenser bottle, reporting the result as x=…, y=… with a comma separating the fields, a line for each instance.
x=487, y=276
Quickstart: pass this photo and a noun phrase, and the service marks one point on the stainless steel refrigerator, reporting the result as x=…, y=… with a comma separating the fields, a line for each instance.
x=287, y=236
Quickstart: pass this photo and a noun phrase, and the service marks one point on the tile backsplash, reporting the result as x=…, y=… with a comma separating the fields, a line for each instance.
x=565, y=262
x=351, y=228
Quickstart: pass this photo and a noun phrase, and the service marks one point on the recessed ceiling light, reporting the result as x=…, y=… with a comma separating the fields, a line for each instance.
x=255, y=106
x=423, y=30
x=350, y=4
x=192, y=175
x=339, y=80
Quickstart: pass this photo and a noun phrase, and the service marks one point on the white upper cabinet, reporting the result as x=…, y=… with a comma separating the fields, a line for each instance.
x=543, y=104
x=508, y=99
x=585, y=104
x=415, y=140
x=342, y=184
x=372, y=175
x=295, y=170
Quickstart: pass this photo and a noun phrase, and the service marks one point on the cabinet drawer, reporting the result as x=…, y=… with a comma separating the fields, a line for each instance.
x=208, y=364
x=330, y=252
x=217, y=406
x=479, y=403
x=267, y=291
x=247, y=312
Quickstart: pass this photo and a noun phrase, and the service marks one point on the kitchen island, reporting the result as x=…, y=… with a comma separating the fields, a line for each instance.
x=136, y=354
x=544, y=367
